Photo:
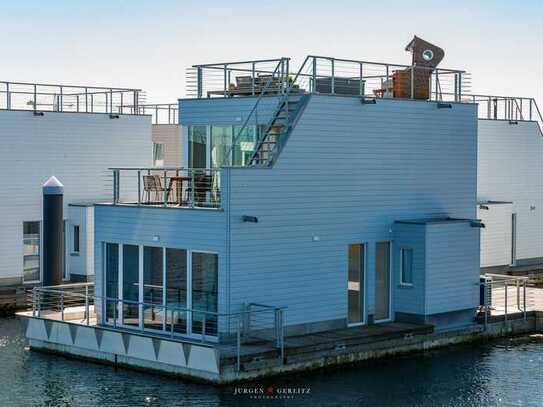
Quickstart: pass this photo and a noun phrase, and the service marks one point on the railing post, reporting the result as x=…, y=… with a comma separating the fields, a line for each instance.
x=505, y=284
x=531, y=109
x=518, y=294
x=87, y=314
x=361, y=84
x=61, y=100
x=333, y=83
x=35, y=98
x=171, y=323
x=386, y=81
x=139, y=187
x=524, y=298
x=115, y=305
x=253, y=79
x=488, y=292
x=86, y=100
x=8, y=97
x=165, y=176
x=460, y=87
x=192, y=190
x=225, y=75
x=34, y=300
x=62, y=304
x=204, y=328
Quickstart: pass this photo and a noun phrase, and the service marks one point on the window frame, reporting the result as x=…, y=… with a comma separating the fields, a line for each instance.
x=162, y=150
x=73, y=245
x=404, y=283
x=40, y=257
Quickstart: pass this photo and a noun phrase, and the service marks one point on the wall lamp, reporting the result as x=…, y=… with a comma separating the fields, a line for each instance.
x=365, y=101
x=486, y=208
x=250, y=219
x=36, y=113
x=113, y=116
x=444, y=105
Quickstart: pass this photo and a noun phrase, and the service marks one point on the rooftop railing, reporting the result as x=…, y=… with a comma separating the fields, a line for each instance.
x=161, y=113
x=174, y=187
x=512, y=108
x=41, y=97
x=327, y=75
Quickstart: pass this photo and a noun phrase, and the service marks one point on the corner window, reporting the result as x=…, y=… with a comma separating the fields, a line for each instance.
x=158, y=155
x=75, y=239
x=31, y=251
x=406, y=266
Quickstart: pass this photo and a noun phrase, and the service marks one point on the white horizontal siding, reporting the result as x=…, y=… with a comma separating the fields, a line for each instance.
x=510, y=168
x=346, y=174
x=496, y=236
x=75, y=147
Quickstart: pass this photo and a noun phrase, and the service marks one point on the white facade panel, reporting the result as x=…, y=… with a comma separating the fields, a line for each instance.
x=510, y=168
x=496, y=236
x=77, y=148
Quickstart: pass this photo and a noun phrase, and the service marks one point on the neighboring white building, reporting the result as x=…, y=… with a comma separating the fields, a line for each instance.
x=75, y=134
x=510, y=192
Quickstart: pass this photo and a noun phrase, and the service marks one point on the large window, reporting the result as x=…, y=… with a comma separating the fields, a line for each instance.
x=221, y=146
x=75, y=239
x=164, y=289
x=244, y=145
x=355, y=284
x=406, y=266
x=31, y=251
x=204, y=291
x=226, y=145
x=158, y=154
x=198, y=146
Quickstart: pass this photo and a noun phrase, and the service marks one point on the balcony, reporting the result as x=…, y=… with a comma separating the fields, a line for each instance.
x=167, y=187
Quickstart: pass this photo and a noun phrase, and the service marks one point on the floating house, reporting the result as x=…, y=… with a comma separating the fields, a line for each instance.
x=75, y=133
x=340, y=196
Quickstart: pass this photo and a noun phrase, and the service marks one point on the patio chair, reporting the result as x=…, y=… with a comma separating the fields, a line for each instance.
x=152, y=188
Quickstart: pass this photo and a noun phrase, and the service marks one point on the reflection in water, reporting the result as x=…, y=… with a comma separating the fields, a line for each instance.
x=509, y=372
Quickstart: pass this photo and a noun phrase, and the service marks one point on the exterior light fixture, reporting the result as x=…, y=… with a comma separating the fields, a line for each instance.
x=486, y=208
x=113, y=116
x=249, y=219
x=428, y=55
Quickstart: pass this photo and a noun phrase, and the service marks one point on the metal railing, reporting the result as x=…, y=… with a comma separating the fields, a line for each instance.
x=512, y=108
x=161, y=113
x=76, y=303
x=167, y=187
x=41, y=97
x=329, y=75
x=504, y=296
x=243, y=78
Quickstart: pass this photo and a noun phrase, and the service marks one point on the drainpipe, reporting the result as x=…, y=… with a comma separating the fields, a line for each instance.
x=53, y=232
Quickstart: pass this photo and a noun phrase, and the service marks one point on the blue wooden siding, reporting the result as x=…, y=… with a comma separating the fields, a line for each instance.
x=346, y=174
x=231, y=111
x=452, y=267
x=199, y=230
x=409, y=299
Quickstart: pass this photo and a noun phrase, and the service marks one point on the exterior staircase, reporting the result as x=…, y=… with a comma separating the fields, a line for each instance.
x=278, y=129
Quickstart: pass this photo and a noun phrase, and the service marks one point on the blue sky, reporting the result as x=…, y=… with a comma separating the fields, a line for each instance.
x=148, y=44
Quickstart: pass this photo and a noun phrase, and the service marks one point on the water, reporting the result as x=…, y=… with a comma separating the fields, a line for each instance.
x=507, y=372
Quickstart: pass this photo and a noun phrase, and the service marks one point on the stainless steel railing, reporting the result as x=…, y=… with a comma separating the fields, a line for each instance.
x=40, y=97
x=167, y=187
x=505, y=296
x=328, y=75
x=77, y=303
x=161, y=113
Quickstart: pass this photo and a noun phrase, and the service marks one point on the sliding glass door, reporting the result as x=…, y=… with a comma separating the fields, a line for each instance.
x=151, y=288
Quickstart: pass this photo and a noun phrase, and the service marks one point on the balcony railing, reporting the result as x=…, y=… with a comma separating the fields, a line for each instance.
x=330, y=76
x=174, y=187
x=41, y=97
x=78, y=304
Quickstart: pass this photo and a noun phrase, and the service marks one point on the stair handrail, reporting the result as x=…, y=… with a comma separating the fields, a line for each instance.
x=283, y=100
x=540, y=121
x=280, y=64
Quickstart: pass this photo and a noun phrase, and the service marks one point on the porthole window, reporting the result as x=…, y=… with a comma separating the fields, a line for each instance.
x=428, y=55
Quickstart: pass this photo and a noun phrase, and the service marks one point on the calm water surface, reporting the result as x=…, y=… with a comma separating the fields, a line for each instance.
x=508, y=373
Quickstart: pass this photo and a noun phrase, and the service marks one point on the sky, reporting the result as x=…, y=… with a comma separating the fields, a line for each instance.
x=149, y=44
